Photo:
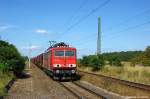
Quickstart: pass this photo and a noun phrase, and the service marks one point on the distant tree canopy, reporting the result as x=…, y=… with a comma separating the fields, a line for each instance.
x=10, y=58
x=115, y=59
x=122, y=56
x=142, y=59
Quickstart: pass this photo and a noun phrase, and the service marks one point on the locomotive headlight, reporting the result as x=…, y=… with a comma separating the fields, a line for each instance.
x=57, y=71
x=57, y=65
x=73, y=71
x=72, y=65
x=69, y=65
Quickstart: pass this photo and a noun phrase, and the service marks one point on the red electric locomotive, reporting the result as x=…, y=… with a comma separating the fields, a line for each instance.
x=59, y=61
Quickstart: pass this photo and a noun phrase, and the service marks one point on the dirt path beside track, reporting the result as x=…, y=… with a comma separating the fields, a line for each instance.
x=37, y=86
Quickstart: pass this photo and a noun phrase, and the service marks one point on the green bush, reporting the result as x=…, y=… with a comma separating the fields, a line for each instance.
x=10, y=58
x=123, y=56
x=114, y=61
x=85, y=61
x=142, y=59
x=94, y=61
x=95, y=64
x=2, y=67
x=146, y=58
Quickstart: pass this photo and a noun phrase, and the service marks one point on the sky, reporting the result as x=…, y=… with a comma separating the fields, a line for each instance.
x=31, y=24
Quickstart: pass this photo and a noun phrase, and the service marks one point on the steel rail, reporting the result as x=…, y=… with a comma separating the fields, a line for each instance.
x=90, y=91
x=79, y=96
x=75, y=94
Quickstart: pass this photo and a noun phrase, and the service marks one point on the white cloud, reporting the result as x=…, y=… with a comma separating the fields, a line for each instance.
x=6, y=27
x=41, y=31
x=33, y=47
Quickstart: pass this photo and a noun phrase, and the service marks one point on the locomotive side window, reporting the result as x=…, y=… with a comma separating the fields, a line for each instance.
x=59, y=53
x=69, y=53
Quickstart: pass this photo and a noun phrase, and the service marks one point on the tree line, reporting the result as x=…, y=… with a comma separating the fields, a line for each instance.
x=143, y=58
x=97, y=62
x=10, y=59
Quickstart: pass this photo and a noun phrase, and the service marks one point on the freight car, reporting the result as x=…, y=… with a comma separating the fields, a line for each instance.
x=59, y=60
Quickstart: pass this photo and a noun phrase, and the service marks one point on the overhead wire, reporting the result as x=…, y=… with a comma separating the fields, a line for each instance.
x=86, y=16
x=131, y=28
x=76, y=12
x=123, y=30
x=100, y=6
x=129, y=19
x=73, y=15
x=124, y=21
x=127, y=29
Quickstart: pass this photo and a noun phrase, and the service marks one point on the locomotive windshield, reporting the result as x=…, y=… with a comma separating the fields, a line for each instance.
x=59, y=53
x=66, y=53
x=69, y=53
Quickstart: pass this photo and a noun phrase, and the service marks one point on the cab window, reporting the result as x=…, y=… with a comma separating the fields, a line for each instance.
x=69, y=53
x=59, y=53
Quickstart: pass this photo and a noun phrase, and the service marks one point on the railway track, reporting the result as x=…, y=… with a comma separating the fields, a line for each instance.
x=128, y=83
x=84, y=91
x=78, y=90
x=81, y=92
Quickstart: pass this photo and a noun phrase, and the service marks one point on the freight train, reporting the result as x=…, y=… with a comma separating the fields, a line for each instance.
x=59, y=60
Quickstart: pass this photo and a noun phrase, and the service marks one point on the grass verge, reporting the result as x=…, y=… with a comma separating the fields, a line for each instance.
x=135, y=74
x=113, y=86
x=4, y=79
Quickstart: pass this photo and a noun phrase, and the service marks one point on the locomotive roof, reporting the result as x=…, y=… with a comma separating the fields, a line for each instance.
x=59, y=45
